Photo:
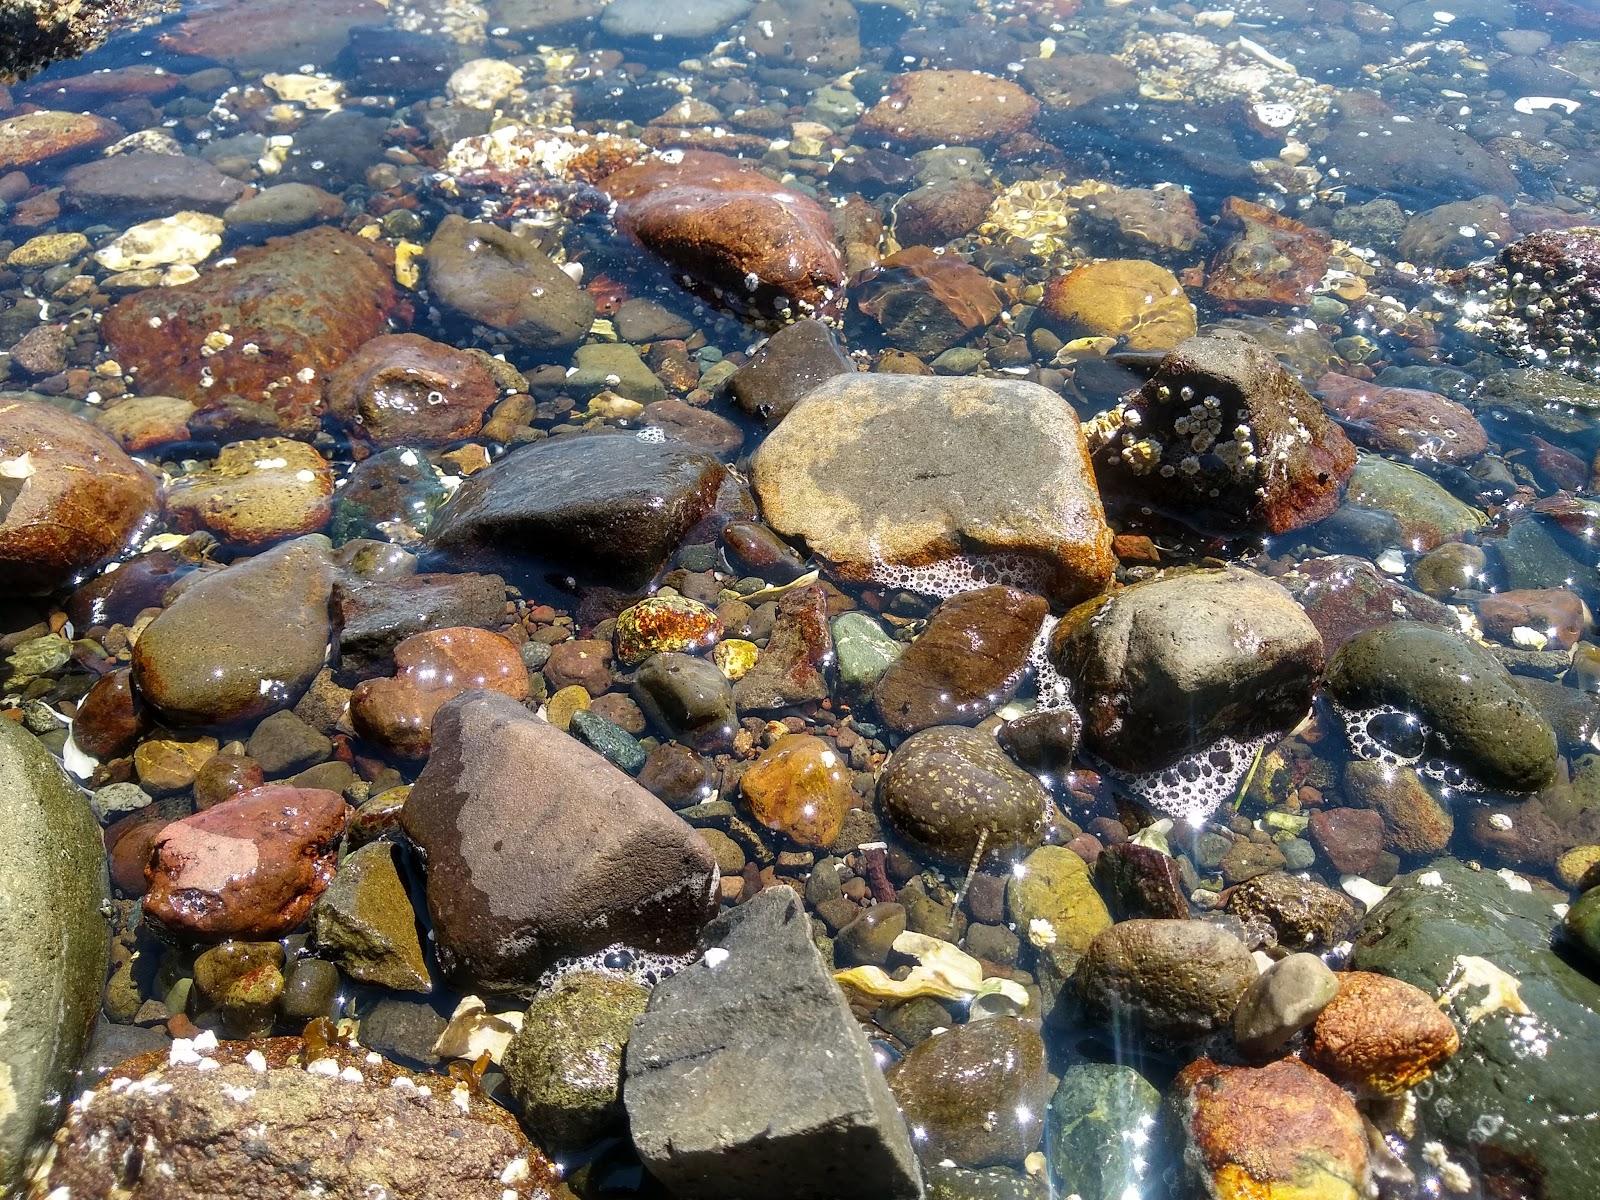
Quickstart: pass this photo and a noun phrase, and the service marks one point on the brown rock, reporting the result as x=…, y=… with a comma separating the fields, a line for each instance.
x=958, y=108
x=537, y=848
x=256, y=493
x=1278, y=1132
x=1408, y=421
x=1300, y=914
x=742, y=237
x=146, y=422
x=431, y=668
x=402, y=389
x=250, y=867
x=966, y=664
x=927, y=302
x=1414, y=822
x=1272, y=261
x=1127, y=298
x=1352, y=838
x=662, y=624
x=69, y=497
x=304, y=303
x=110, y=717
x=798, y=656
x=44, y=135
x=585, y=662
x=1560, y=615
x=280, y=34
x=933, y=214
x=1381, y=1034
x=800, y=787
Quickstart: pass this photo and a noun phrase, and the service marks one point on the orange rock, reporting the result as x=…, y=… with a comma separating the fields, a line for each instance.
x=800, y=787
x=434, y=666
x=1272, y=260
x=1278, y=1132
x=1381, y=1033
x=1129, y=298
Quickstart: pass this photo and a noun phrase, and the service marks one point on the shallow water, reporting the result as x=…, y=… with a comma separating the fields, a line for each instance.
x=1043, y=192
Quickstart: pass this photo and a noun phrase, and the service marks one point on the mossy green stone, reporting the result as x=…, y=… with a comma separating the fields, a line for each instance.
x=54, y=938
x=864, y=650
x=1099, y=1131
x=1052, y=899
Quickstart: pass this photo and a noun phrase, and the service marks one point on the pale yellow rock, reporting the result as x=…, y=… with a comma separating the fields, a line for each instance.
x=183, y=239
x=47, y=250
x=483, y=82
x=315, y=92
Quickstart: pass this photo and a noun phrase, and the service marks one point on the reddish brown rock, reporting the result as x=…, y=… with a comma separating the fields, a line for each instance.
x=280, y=34
x=146, y=422
x=583, y=661
x=250, y=867
x=69, y=497
x=800, y=787
x=794, y=666
x=128, y=843
x=294, y=308
x=933, y=214
x=110, y=717
x=1403, y=420
x=927, y=302
x=224, y=777
x=1278, y=1132
x=1272, y=261
x=434, y=667
x=44, y=135
x=1555, y=613
x=742, y=237
x=405, y=389
x=96, y=87
x=1344, y=595
x=957, y=108
x=965, y=664
x=1381, y=1034
x=257, y=1119
x=1351, y=838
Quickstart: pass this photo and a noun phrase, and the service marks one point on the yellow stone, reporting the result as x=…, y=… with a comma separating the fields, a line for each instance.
x=1572, y=866
x=47, y=250
x=800, y=787
x=735, y=657
x=1128, y=298
x=406, y=271
x=166, y=765
x=559, y=708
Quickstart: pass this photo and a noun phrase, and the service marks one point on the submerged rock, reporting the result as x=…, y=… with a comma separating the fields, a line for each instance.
x=41, y=136
x=286, y=312
x=489, y=275
x=69, y=497
x=1166, y=667
x=1172, y=980
x=747, y=240
x=1098, y=1128
x=789, y=364
x=254, y=493
x=957, y=108
x=537, y=848
x=891, y=479
x=54, y=939
x=403, y=389
x=605, y=508
x=1127, y=298
x=260, y=1118
x=1380, y=1034
x=748, y=1075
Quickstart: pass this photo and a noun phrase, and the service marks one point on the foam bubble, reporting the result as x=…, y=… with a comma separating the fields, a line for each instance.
x=643, y=967
x=1053, y=690
x=965, y=573
x=1194, y=787
x=1364, y=745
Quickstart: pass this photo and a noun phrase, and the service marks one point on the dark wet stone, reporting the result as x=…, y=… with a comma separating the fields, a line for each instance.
x=304, y=303
x=1140, y=881
x=1097, y=1130
x=1263, y=457
x=1405, y=421
x=1271, y=261
x=139, y=583
x=373, y=618
x=1499, y=1107
x=1419, y=157
x=111, y=717
x=1166, y=667
x=956, y=108
x=1459, y=690
x=697, y=427
x=976, y=1093
x=52, y=895
x=927, y=302
x=79, y=502
x=149, y=185
x=310, y=988
x=605, y=508
x=1172, y=980
x=1304, y=914
x=487, y=274
x=401, y=61
x=283, y=744
x=678, y=775
x=947, y=787
x=965, y=664
x=1414, y=821
x=935, y=213
x=537, y=848
x=271, y=34
x=1043, y=740
x=687, y=697
x=334, y=150
x=1351, y=839
x=647, y=24
x=798, y=658
x=1066, y=82
x=813, y=36
x=744, y=239
x=760, y=551
x=391, y=496
x=241, y=642
x=44, y=135
x=1344, y=595
x=789, y=364
x=950, y=1182
x=711, y=1067
x=613, y=743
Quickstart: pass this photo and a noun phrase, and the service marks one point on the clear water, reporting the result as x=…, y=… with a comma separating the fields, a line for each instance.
x=1282, y=105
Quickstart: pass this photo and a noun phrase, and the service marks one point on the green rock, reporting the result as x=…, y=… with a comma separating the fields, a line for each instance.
x=1532, y=558
x=565, y=1066
x=1508, y=1098
x=1052, y=899
x=1582, y=923
x=1428, y=514
x=244, y=980
x=365, y=921
x=309, y=990
x=54, y=939
x=616, y=367
x=609, y=739
x=1099, y=1132
x=864, y=650
x=1459, y=690
x=38, y=657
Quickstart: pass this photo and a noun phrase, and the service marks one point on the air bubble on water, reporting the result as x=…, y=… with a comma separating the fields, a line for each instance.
x=1358, y=732
x=1194, y=787
x=643, y=967
x=964, y=573
x=1053, y=690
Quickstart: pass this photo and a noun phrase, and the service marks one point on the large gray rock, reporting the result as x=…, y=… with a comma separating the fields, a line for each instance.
x=1165, y=667
x=1509, y=1104
x=748, y=1076
x=537, y=848
x=53, y=939
x=893, y=479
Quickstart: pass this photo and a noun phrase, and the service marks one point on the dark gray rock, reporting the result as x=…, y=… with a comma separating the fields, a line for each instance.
x=688, y=698
x=374, y=618
x=54, y=940
x=140, y=185
x=750, y=1077
x=792, y=362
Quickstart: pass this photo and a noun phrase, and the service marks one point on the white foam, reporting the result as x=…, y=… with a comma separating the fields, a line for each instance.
x=1194, y=787
x=644, y=967
x=1364, y=746
x=965, y=573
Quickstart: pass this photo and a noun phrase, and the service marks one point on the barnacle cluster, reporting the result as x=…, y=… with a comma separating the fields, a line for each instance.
x=1539, y=299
